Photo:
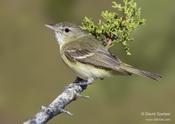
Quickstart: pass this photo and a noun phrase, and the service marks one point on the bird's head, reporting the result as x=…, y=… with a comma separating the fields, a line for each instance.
x=66, y=32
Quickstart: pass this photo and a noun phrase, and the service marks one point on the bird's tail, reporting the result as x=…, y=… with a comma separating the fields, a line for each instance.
x=139, y=72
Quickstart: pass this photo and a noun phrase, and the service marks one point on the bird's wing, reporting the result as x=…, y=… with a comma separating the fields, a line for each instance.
x=88, y=50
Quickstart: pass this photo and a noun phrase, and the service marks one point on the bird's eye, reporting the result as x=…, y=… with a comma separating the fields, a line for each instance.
x=66, y=30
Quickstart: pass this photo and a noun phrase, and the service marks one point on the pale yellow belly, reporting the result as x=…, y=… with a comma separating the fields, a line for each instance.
x=86, y=71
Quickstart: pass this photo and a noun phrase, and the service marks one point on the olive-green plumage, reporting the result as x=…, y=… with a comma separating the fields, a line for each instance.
x=88, y=58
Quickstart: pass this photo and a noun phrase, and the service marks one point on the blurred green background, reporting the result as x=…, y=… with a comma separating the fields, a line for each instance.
x=32, y=73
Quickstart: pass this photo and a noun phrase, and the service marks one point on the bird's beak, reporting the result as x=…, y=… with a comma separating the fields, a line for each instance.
x=51, y=26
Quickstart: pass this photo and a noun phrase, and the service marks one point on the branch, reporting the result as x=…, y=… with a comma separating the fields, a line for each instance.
x=70, y=93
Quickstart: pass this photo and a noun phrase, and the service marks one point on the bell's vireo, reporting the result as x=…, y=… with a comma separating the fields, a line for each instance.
x=87, y=57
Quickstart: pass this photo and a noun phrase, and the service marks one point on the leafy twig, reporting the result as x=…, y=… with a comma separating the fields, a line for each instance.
x=116, y=27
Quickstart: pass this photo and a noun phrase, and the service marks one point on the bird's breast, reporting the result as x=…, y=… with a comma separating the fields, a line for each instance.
x=86, y=71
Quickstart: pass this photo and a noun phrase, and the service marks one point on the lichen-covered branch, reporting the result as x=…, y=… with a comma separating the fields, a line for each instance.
x=70, y=93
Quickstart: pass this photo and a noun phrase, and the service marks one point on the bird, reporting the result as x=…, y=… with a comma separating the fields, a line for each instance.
x=88, y=58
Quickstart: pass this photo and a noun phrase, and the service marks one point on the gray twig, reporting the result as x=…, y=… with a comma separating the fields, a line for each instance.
x=70, y=93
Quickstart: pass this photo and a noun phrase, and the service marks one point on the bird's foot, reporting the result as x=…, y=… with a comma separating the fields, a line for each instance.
x=83, y=82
